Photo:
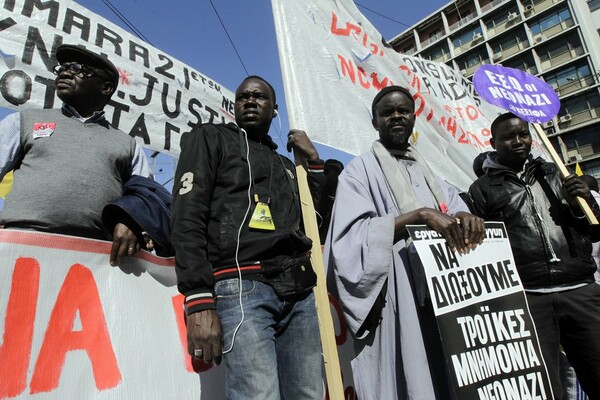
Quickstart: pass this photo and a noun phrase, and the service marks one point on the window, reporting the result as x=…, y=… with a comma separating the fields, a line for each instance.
x=557, y=50
x=509, y=41
x=581, y=108
x=568, y=77
x=466, y=37
x=580, y=103
x=436, y=34
x=593, y=5
x=437, y=53
x=550, y=21
x=472, y=61
x=500, y=19
x=583, y=137
x=593, y=168
x=524, y=62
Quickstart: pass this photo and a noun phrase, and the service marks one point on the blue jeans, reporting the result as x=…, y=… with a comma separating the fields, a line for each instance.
x=277, y=350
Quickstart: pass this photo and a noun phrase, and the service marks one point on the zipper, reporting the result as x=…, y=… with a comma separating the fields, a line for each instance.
x=541, y=226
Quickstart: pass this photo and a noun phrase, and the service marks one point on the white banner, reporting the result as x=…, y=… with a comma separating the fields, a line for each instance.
x=334, y=62
x=73, y=327
x=158, y=97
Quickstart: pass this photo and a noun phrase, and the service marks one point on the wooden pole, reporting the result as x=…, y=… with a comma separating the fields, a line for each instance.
x=564, y=172
x=331, y=360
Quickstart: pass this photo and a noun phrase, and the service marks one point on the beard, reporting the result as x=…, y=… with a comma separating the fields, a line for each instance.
x=395, y=140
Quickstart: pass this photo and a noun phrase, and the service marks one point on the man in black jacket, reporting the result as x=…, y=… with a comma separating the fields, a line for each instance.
x=551, y=242
x=236, y=214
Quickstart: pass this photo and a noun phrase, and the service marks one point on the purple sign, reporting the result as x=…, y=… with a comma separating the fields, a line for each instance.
x=516, y=91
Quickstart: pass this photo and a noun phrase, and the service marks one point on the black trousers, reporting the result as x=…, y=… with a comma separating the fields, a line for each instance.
x=570, y=319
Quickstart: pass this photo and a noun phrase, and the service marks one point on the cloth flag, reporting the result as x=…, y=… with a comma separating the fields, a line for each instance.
x=334, y=62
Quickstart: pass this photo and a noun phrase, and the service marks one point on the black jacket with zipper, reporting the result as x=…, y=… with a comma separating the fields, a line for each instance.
x=551, y=246
x=213, y=189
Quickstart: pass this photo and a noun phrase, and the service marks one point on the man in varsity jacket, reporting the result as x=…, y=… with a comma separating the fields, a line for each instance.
x=236, y=213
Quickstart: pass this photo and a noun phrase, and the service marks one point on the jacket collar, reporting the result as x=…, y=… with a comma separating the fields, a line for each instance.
x=498, y=172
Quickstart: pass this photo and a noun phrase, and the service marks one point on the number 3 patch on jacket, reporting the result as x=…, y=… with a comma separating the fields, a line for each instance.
x=187, y=184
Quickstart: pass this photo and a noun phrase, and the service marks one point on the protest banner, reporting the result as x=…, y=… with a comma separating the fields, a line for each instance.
x=73, y=327
x=158, y=97
x=518, y=92
x=334, y=62
x=488, y=335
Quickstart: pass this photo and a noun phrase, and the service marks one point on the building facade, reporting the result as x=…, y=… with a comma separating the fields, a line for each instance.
x=556, y=40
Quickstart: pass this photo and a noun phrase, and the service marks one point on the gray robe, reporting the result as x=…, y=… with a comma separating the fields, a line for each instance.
x=391, y=361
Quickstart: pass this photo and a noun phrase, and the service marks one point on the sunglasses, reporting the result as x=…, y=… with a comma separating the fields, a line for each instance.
x=75, y=69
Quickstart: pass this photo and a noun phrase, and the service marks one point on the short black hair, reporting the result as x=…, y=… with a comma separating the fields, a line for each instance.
x=386, y=90
x=500, y=119
x=261, y=79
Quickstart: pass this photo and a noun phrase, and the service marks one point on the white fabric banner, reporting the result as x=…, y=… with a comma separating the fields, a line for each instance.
x=334, y=62
x=73, y=327
x=158, y=97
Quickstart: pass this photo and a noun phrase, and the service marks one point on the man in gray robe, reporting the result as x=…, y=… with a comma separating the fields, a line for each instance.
x=383, y=295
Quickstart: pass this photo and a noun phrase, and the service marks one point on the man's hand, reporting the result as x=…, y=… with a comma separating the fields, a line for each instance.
x=473, y=228
x=573, y=187
x=125, y=243
x=463, y=232
x=299, y=141
x=204, y=336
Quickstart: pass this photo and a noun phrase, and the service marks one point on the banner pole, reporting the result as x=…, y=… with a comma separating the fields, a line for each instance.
x=331, y=361
x=564, y=172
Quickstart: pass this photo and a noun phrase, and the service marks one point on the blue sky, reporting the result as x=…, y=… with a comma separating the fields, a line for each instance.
x=191, y=32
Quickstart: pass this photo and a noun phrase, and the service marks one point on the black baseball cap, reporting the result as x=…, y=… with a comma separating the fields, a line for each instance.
x=73, y=53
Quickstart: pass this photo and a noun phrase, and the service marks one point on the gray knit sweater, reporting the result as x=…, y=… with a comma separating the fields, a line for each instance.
x=64, y=180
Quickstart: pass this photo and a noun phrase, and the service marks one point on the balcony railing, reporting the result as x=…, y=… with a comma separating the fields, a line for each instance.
x=432, y=39
x=539, y=6
x=579, y=117
x=463, y=21
x=574, y=85
x=491, y=5
x=561, y=58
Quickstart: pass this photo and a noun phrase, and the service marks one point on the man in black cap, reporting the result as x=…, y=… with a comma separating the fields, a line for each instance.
x=70, y=163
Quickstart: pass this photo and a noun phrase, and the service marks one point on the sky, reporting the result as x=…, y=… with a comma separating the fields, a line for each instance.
x=192, y=32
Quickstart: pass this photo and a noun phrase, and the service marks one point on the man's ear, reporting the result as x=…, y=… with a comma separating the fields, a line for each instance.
x=275, y=112
x=493, y=143
x=108, y=88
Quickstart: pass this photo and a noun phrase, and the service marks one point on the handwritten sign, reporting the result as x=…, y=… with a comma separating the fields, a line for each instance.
x=158, y=97
x=331, y=45
x=73, y=327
